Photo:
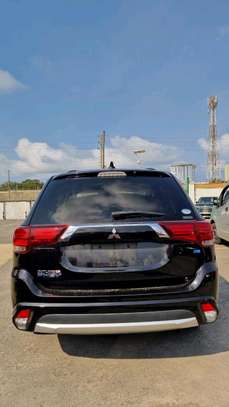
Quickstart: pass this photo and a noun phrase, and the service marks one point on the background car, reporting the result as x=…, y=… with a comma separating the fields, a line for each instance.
x=205, y=204
x=220, y=217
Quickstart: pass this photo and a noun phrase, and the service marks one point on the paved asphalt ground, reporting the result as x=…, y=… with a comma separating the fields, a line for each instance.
x=187, y=368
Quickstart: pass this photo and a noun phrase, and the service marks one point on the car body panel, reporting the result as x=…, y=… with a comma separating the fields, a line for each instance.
x=220, y=215
x=127, y=267
x=204, y=206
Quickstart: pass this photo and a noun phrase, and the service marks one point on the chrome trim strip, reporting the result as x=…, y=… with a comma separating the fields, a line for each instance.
x=158, y=229
x=116, y=328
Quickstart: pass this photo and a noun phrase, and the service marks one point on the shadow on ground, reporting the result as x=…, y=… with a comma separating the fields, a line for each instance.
x=207, y=340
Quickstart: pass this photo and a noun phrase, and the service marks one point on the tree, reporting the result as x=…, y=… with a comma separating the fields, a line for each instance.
x=26, y=184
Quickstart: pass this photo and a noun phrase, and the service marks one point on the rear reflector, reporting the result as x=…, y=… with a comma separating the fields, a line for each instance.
x=209, y=311
x=195, y=231
x=22, y=319
x=27, y=237
x=207, y=307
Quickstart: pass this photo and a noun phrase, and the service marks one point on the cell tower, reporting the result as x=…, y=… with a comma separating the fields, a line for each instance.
x=102, y=138
x=213, y=159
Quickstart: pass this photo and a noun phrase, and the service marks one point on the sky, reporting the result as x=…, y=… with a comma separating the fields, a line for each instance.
x=141, y=70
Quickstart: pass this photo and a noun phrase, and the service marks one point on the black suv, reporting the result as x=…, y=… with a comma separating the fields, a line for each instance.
x=113, y=251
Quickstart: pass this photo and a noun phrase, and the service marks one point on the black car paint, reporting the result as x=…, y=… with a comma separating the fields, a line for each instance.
x=108, y=292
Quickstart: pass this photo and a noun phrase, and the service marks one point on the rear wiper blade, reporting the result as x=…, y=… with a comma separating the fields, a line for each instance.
x=135, y=214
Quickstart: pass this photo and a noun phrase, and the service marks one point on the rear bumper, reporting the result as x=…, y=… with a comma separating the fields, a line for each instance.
x=205, y=212
x=93, y=324
x=206, y=215
x=116, y=314
x=115, y=317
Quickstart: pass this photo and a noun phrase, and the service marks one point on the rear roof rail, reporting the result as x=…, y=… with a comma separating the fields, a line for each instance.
x=112, y=172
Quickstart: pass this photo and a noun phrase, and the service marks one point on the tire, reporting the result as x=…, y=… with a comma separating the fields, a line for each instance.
x=217, y=239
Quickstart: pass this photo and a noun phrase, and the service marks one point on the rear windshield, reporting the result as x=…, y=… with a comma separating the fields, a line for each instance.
x=93, y=199
x=206, y=200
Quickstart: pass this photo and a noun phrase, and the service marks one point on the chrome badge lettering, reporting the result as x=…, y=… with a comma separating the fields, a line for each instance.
x=49, y=273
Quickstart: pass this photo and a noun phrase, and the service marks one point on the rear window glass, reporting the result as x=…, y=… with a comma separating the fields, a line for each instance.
x=206, y=200
x=92, y=199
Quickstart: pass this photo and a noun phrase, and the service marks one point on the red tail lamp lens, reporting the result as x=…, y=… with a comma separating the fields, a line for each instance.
x=26, y=237
x=22, y=319
x=209, y=311
x=207, y=307
x=24, y=313
x=195, y=231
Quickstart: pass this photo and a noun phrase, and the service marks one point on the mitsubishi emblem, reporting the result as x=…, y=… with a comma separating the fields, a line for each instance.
x=114, y=235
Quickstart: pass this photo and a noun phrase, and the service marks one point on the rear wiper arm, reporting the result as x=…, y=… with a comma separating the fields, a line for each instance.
x=135, y=214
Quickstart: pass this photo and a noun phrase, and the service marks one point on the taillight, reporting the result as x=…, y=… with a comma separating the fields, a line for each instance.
x=27, y=237
x=195, y=231
x=22, y=318
x=209, y=311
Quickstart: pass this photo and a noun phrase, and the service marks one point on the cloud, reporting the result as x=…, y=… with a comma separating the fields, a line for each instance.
x=122, y=151
x=9, y=84
x=39, y=158
x=203, y=143
x=44, y=159
x=222, y=144
x=5, y=164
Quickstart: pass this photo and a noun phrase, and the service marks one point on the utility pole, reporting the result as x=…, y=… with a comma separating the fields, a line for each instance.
x=213, y=157
x=9, y=184
x=102, y=139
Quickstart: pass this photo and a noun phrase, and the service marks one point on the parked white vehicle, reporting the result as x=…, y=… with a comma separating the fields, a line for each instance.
x=220, y=217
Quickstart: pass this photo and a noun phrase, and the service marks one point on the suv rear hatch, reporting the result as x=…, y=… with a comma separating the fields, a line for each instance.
x=131, y=233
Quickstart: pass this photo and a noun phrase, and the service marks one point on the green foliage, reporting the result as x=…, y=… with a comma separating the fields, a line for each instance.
x=23, y=185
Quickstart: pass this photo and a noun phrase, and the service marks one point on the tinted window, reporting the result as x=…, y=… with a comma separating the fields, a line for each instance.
x=208, y=200
x=226, y=196
x=93, y=199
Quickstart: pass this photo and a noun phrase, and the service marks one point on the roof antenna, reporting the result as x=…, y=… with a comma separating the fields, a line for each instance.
x=112, y=164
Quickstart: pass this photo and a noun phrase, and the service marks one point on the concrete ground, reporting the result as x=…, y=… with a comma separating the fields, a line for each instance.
x=187, y=368
x=6, y=234
x=7, y=229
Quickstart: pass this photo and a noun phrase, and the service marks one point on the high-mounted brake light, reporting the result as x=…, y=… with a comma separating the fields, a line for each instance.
x=27, y=237
x=22, y=318
x=111, y=174
x=195, y=231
